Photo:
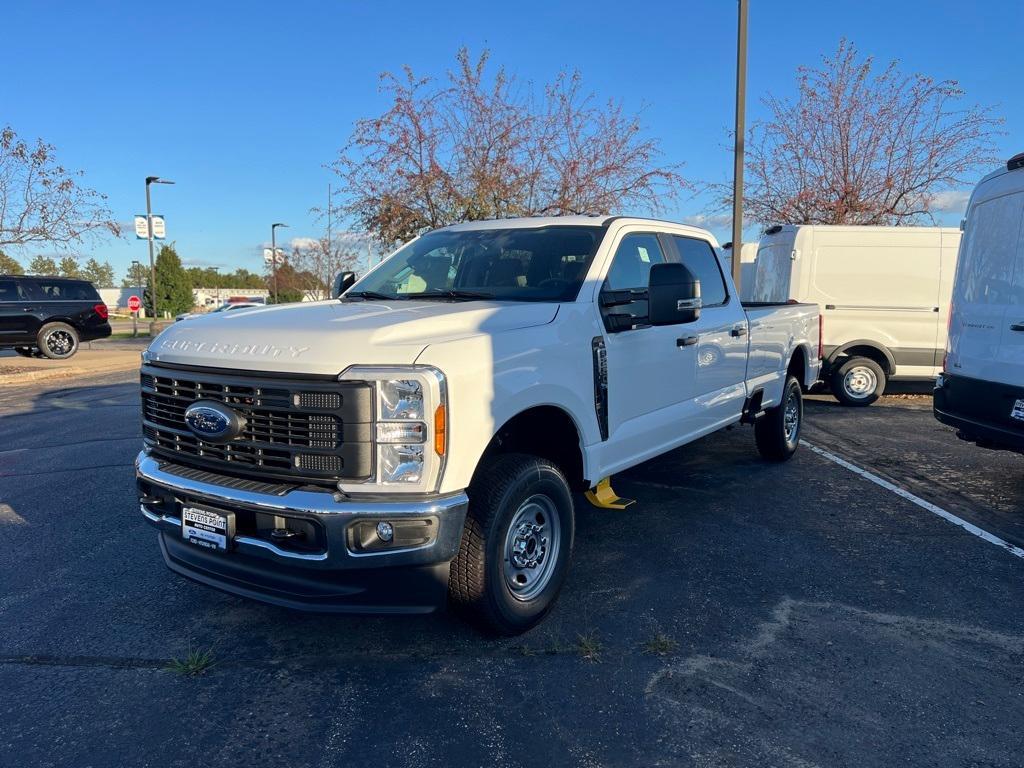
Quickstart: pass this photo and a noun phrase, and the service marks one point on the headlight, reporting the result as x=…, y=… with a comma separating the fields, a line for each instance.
x=410, y=428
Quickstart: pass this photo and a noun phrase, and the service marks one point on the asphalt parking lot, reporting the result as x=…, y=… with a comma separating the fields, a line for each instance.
x=739, y=614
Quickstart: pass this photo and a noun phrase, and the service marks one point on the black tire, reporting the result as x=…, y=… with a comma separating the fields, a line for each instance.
x=57, y=341
x=858, y=382
x=776, y=441
x=507, y=488
x=25, y=351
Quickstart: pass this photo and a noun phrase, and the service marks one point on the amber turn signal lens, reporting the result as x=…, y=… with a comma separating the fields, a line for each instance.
x=440, y=430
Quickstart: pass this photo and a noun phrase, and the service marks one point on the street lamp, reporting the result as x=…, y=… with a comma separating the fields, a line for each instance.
x=152, y=262
x=273, y=254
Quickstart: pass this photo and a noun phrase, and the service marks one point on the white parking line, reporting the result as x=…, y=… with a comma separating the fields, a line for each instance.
x=935, y=510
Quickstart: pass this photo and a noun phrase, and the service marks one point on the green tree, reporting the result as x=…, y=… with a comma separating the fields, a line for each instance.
x=100, y=275
x=135, y=277
x=42, y=265
x=9, y=265
x=69, y=267
x=290, y=284
x=174, y=293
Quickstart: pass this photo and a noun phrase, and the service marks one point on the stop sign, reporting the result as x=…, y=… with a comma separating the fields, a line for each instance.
x=134, y=303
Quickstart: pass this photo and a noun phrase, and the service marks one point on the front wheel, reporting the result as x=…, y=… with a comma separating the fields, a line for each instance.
x=777, y=432
x=516, y=544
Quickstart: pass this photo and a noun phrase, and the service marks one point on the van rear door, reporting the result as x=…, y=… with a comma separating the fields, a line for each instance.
x=989, y=293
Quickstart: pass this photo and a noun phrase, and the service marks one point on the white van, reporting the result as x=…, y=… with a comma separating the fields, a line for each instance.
x=883, y=292
x=981, y=388
x=748, y=257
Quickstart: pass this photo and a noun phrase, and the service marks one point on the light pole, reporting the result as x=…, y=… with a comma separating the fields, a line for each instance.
x=152, y=262
x=136, y=279
x=273, y=254
x=737, y=168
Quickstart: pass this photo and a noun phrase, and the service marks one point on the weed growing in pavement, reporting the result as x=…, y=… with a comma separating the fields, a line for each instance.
x=589, y=646
x=196, y=662
x=659, y=644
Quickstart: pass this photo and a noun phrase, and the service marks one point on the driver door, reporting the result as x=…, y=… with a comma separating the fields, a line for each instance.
x=651, y=369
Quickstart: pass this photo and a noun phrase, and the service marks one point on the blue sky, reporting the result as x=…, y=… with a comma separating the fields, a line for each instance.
x=242, y=104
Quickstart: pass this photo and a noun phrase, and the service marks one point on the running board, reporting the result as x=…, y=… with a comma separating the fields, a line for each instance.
x=604, y=497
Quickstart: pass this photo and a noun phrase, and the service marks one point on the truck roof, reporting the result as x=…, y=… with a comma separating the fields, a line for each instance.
x=533, y=222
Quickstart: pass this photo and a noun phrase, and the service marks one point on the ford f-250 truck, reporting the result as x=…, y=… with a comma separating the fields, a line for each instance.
x=424, y=433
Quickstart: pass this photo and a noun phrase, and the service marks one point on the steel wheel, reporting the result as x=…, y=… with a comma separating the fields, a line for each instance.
x=531, y=547
x=791, y=418
x=860, y=382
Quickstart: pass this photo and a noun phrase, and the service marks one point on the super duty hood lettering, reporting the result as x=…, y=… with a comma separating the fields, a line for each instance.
x=225, y=348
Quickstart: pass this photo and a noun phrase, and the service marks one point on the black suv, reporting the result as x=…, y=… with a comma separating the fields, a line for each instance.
x=49, y=316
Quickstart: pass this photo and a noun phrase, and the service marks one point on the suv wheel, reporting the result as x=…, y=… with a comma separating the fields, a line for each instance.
x=516, y=544
x=57, y=341
x=858, y=382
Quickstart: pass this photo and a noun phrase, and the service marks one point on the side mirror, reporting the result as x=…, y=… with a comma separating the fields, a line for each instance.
x=673, y=295
x=342, y=282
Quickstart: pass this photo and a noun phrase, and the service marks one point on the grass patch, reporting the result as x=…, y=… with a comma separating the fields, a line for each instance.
x=589, y=646
x=659, y=644
x=195, y=662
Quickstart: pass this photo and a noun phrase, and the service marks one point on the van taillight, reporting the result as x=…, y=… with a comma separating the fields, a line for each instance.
x=101, y=310
x=821, y=336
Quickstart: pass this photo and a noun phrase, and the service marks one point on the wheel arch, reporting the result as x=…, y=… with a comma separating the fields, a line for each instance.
x=547, y=431
x=864, y=348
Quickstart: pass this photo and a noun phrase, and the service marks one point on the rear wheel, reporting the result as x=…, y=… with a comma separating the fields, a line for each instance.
x=777, y=432
x=57, y=341
x=858, y=382
x=516, y=545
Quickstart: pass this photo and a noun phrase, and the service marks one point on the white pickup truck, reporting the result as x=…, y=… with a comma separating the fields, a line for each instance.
x=424, y=433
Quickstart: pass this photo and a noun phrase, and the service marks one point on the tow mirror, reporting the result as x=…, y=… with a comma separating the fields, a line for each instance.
x=673, y=295
x=342, y=282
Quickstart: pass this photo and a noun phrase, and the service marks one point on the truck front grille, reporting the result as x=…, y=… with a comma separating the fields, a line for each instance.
x=307, y=430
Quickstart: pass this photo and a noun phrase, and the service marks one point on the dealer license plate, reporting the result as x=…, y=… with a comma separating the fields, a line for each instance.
x=1018, y=410
x=206, y=528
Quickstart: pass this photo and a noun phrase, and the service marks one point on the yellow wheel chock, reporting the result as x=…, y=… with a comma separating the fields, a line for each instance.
x=604, y=497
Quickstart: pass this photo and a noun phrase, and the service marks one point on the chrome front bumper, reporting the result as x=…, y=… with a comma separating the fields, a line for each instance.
x=333, y=576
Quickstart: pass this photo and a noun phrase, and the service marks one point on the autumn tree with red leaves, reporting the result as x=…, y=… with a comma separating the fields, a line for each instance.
x=480, y=146
x=862, y=148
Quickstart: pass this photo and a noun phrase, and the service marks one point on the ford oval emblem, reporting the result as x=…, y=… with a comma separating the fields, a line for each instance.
x=213, y=422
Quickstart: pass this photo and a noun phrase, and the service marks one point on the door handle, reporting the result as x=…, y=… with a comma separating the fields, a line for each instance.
x=687, y=341
x=28, y=309
x=739, y=330
x=1017, y=327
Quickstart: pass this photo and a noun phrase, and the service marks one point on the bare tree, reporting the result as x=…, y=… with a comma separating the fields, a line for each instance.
x=316, y=262
x=862, y=148
x=478, y=146
x=41, y=201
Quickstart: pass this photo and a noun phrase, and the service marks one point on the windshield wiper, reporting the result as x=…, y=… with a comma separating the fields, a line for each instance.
x=371, y=295
x=450, y=293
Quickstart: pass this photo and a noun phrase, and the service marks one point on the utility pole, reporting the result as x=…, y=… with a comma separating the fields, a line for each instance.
x=273, y=254
x=152, y=262
x=741, y=101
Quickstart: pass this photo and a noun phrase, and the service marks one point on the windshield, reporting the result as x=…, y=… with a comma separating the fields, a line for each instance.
x=543, y=264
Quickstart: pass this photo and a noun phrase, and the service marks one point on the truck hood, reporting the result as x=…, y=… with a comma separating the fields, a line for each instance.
x=327, y=337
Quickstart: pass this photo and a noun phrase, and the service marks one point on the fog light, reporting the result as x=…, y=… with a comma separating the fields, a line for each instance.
x=384, y=531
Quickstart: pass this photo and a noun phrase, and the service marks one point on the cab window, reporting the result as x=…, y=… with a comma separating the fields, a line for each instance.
x=10, y=290
x=700, y=259
x=631, y=267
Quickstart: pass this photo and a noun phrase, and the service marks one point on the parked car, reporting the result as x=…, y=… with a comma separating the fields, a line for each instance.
x=981, y=388
x=883, y=292
x=49, y=316
x=231, y=307
x=424, y=434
